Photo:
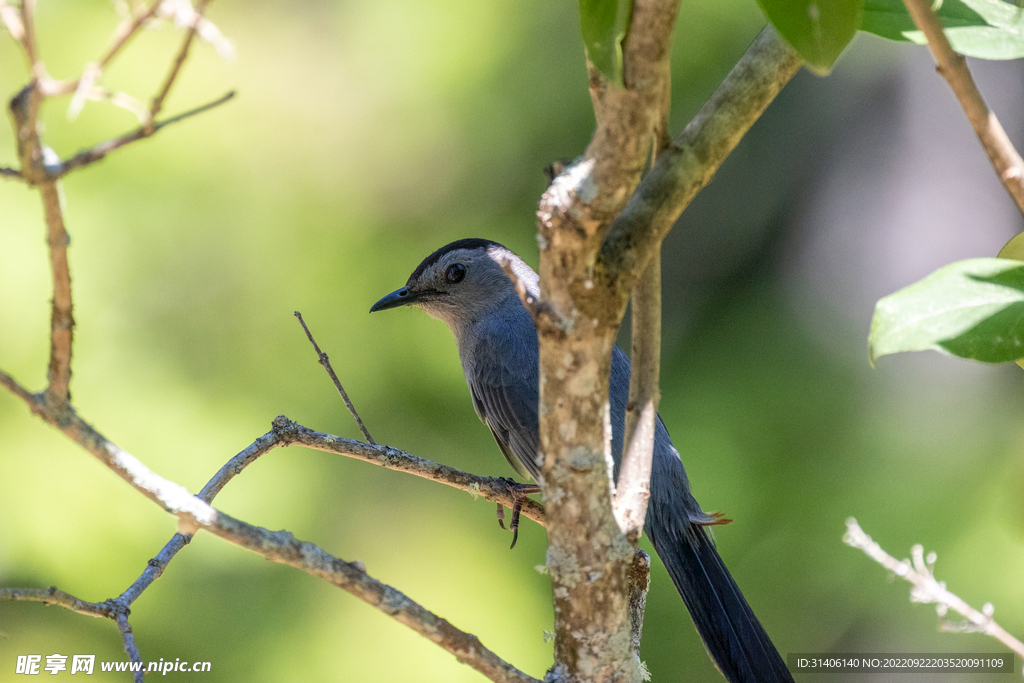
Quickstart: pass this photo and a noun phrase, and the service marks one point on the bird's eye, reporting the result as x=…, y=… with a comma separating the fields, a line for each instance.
x=455, y=273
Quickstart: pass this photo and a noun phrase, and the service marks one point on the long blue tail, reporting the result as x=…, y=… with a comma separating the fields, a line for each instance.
x=731, y=633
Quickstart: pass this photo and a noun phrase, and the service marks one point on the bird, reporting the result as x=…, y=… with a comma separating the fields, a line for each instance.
x=464, y=285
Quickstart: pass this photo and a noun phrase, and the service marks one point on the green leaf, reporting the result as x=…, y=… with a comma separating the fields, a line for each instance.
x=971, y=309
x=988, y=29
x=818, y=29
x=599, y=21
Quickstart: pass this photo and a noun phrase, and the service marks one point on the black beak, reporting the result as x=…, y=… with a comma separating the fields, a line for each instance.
x=399, y=297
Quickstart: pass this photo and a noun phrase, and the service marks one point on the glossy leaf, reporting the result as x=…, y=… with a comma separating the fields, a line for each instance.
x=603, y=36
x=818, y=29
x=971, y=309
x=988, y=29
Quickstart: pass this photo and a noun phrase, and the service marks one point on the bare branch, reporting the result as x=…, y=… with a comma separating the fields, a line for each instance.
x=12, y=21
x=324, y=361
x=94, y=154
x=21, y=392
x=9, y=173
x=493, y=489
x=282, y=547
x=634, y=486
x=156, y=566
x=28, y=34
x=25, y=113
x=126, y=30
x=277, y=436
x=1008, y=165
x=62, y=321
x=130, y=648
x=183, y=14
x=926, y=589
x=109, y=609
x=158, y=100
x=52, y=596
x=692, y=159
x=175, y=498
x=167, y=494
x=90, y=74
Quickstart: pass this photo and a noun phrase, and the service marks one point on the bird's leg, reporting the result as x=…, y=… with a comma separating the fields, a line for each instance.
x=519, y=493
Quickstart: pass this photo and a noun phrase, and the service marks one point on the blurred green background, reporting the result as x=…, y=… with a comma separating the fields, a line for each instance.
x=364, y=136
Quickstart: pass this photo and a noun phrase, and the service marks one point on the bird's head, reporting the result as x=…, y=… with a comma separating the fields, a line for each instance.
x=462, y=282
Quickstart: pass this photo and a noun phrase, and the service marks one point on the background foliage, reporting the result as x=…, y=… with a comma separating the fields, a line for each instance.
x=365, y=136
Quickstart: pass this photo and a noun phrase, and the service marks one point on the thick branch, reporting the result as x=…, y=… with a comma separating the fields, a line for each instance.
x=921, y=574
x=692, y=159
x=588, y=555
x=1008, y=165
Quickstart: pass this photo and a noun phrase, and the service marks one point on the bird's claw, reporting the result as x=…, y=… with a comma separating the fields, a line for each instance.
x=519, y=494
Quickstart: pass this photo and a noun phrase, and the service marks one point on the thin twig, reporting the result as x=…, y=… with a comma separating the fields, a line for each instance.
x=130, y=648
x=62, y=320
x=21, y=392
x=11, y=19
x=52, y=596
x=493, y=489
x=94, y=154
x=28, y=36
x=926, y=589
x=324, y=361
x=156, y=566
x=158, y=100
x=10, y=172
x=126, y=30
x=1008, y=165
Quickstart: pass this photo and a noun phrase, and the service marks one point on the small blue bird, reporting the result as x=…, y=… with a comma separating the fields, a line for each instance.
x=464, y=285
